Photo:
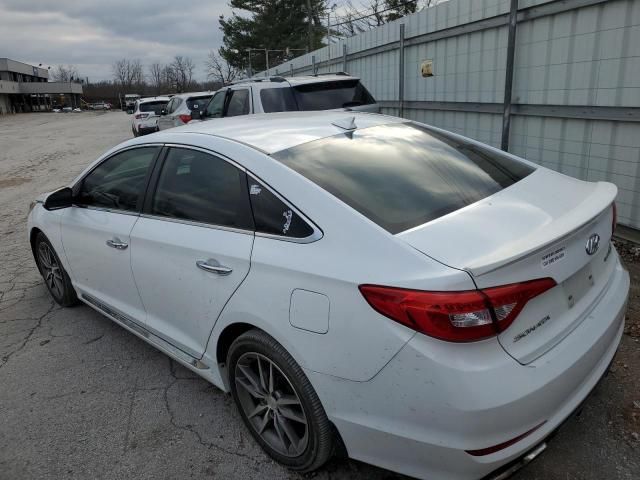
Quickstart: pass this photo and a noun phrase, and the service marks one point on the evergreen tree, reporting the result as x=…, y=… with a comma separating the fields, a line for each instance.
x=271, y=24
x=399, y=8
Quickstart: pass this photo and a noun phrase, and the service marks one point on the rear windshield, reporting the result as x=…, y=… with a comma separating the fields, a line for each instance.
x=154, y=107
x=316, y=96
x=401, y=176
x=328, y=95
x=198, y=103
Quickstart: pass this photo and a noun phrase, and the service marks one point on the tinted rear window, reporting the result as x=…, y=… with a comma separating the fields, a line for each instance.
x=401, y=176
x=198, y=103
x=329, y=95
x=153, y=106
x=278, y=100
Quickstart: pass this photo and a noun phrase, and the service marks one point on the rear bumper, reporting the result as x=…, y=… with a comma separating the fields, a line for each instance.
x=434, y=400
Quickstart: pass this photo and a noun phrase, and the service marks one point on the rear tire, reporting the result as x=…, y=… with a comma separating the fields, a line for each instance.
x=277, y=403
x=55, y=277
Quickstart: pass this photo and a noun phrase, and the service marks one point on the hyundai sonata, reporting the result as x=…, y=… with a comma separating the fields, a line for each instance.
x=358, y=282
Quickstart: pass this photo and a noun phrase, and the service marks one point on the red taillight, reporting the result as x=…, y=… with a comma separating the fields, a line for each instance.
x=185, y=118
x=464, y=316
x=614, y=221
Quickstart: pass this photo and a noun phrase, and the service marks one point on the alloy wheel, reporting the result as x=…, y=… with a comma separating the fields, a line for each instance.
x=51, y=270
x=271, y=404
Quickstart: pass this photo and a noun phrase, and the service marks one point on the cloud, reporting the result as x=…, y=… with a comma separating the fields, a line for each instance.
x=92, y=34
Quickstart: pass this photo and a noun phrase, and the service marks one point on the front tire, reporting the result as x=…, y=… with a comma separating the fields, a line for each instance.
x=55, y=277
x=277, y=402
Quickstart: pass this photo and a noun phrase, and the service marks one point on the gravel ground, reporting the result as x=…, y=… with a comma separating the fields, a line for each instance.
x=82, y=398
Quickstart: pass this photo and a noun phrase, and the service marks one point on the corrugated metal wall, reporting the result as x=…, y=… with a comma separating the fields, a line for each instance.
x=576, y=90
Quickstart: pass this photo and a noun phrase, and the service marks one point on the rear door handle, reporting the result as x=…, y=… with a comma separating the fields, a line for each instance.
x=214, y=266
x=117, y=244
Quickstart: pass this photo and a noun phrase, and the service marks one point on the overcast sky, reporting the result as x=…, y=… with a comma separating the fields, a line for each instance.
x=92, y=34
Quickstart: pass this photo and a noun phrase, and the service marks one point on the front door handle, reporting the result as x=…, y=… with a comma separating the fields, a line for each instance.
x=117, y=244
x=214, y=266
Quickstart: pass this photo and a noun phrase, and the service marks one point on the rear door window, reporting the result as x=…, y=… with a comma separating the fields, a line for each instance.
x=238, y=103
x=403, y=175
x=330, y=95
x=278, y=100
x=200, y=187
x=272, y=215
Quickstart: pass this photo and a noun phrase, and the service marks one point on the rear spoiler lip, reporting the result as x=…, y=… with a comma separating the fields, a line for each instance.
x=602, y=197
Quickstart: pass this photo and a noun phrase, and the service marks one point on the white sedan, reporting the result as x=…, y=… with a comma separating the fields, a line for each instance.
x=358, y=282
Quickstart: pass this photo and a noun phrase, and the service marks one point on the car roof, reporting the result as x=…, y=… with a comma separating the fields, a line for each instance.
x=287, y=81
x=153, y=99
x=194, y=94
x=272, y=132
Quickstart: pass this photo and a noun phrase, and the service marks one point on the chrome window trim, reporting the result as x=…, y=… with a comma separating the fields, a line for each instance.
x=106, y=210
x=317, y=233
x=197, y=224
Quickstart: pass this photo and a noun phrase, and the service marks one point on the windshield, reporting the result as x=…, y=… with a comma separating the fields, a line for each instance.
x=403, y=175
x=198, y=103
x=154, y=107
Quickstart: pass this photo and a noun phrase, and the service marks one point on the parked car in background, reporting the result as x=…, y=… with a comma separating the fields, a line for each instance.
x=178, y=111
x=287, y=94
x=437, y=306
x=99, y=106
x=146, y=113
x=130, y=100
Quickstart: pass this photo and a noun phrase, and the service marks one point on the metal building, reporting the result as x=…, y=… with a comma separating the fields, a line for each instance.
x=26, y=88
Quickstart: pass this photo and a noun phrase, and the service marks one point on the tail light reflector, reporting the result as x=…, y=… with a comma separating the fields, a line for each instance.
x=501, y=446
x=462, y=316
x=185, y=118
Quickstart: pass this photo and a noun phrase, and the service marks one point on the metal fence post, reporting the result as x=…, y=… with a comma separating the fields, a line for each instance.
x=508, y=82
x=401, y=73
x=291, y=69
x=313, y=64
x=344, y=57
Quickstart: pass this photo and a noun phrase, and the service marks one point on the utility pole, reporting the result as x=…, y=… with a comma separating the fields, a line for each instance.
x=329, y=34
x=266, y=52
x=310, y=31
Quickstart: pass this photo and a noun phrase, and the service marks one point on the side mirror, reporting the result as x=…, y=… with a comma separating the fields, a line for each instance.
x=62, y=198
x=163, y=111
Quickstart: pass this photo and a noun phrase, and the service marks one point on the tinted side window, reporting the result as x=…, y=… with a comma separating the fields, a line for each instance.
x=216, y=105
x=278, y=100
x=118, y=183
x=272, y=215
x=202, y=188
x=238, y=103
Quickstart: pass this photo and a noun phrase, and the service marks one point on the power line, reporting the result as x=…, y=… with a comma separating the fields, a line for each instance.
x=351, y=20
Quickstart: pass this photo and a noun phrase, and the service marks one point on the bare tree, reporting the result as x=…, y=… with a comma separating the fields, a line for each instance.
x=156, y=76
x=128, y=73
x=182, y=68
x=220, y=70
x=64, y=73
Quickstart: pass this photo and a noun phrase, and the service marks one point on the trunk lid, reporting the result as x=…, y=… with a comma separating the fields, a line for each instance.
x=537, y=228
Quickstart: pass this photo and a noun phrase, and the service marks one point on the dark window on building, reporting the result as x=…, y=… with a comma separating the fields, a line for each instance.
x=272, y=215
x=202, y=188
x=118, y=183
